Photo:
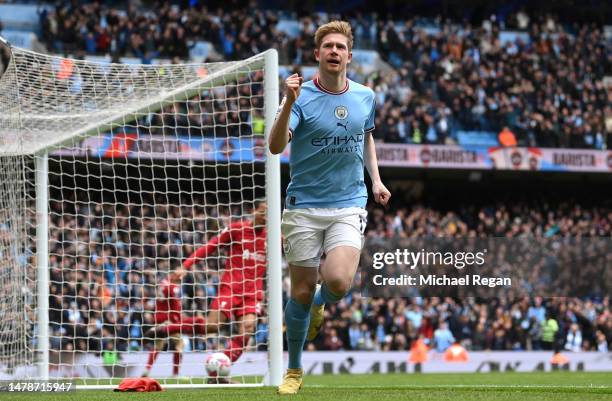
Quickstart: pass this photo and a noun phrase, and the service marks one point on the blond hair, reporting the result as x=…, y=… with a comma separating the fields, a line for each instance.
x=341, y=27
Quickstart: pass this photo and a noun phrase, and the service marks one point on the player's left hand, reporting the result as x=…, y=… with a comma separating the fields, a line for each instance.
x=381, y=193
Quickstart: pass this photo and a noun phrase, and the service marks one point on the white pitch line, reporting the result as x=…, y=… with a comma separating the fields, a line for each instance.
x=451, y=386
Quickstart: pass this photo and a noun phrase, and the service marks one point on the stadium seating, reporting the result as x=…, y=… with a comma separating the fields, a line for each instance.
x=446, y=77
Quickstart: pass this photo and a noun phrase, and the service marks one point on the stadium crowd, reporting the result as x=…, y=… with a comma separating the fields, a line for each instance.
x=106, y=260
x=544, y=84
x=525, y=323
x=543, y=89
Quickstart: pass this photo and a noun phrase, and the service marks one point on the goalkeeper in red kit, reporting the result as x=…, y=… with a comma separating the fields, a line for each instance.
x=241, y=284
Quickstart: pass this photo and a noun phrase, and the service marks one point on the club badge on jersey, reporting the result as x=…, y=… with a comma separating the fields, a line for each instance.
x=341, y=112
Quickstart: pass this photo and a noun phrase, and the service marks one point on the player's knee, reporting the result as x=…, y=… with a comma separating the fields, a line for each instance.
x=338, y=286
x=302, y=295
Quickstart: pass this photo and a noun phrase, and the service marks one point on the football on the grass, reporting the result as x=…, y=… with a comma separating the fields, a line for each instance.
x=218, y=365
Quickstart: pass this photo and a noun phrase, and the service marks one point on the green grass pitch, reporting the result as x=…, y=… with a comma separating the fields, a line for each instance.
x=432, y=387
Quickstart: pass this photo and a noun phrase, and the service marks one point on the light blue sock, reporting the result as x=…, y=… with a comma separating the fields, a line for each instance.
x=324, y=296
x=297, y=318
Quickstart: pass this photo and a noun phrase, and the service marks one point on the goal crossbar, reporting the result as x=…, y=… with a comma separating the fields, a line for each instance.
x=229, y=73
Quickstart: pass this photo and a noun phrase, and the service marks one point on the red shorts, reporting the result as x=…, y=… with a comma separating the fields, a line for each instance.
x=230, y=303
x=181, y=323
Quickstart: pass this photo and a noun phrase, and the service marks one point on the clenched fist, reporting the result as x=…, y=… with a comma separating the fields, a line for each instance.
x=381, y=193
x=293, y=84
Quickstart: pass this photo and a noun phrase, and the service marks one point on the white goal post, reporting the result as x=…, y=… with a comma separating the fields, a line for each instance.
x=111, y=175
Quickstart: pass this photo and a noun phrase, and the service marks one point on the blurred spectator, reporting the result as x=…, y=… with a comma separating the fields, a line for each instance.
x=507, y=138
x=419, y=350
x=332, y=342
x=456, y=353
x=537, y=310
x=573, y=342
x=262, y=334
x=602, y=343
x=443, y=338
x=549, y=332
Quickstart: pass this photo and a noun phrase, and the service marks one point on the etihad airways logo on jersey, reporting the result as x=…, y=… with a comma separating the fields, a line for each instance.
x=338, y=144
x=342, y=140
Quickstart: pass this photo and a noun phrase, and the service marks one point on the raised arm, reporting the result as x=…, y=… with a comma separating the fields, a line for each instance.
x=205, y=250
x=279, y=134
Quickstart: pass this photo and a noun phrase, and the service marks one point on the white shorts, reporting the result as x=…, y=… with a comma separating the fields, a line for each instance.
x=310, y=232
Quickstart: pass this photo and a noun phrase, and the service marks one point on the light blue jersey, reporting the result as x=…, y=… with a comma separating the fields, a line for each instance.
x=327, y=140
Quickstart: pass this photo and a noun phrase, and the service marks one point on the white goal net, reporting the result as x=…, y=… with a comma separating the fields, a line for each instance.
x=111, y=176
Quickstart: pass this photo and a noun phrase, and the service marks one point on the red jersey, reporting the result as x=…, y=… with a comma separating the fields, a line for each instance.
x=168, y=305
x=246, y=264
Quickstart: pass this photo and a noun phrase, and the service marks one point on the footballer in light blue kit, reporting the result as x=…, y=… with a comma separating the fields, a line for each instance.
x=329, y=122
x=328, y=131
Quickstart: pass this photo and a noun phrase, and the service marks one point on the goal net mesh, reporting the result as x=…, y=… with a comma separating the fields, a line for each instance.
x=146, y=163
